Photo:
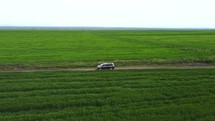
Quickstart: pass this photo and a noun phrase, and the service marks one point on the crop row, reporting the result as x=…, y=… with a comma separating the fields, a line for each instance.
x=108, y=95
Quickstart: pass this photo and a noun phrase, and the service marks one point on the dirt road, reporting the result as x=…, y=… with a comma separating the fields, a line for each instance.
x=117, y=68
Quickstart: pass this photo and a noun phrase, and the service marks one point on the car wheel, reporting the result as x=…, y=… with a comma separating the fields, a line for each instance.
x=111, y=68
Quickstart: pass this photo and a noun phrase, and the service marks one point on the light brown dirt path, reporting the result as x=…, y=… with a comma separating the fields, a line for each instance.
x=117, y=68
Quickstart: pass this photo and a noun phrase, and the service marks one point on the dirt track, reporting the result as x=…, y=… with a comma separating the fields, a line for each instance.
x=117, y=68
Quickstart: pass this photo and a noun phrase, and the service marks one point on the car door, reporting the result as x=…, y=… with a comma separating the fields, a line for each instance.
x=109, y=66
x=104, y=66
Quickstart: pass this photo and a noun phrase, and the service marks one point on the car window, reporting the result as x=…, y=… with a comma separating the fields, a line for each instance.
x=105, y=65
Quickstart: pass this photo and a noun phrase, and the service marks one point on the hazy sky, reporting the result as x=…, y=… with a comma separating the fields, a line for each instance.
x=109, y=13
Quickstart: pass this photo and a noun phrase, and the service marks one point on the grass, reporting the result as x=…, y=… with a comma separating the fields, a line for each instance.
x=65, y=49
x=124, y=95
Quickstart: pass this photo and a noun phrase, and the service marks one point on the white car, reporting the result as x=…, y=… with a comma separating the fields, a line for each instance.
x=109, y=66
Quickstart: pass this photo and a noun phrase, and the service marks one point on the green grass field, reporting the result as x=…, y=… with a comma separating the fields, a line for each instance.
x=65, y=49
x=126, y=95
x=119, y=95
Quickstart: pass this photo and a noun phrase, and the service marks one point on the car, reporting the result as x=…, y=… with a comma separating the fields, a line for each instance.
x=109, y=66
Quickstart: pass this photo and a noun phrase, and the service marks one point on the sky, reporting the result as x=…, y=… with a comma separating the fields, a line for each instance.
x=109, y=13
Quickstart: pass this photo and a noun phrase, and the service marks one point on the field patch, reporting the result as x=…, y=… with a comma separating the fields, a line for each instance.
x=162, y=94
x=69, y=49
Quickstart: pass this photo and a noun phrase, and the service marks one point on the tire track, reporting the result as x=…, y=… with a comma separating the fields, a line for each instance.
x=117, y=68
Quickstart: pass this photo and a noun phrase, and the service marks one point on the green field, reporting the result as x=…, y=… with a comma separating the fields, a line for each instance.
x=119, y=95
x=141, y=95
x=65, y=49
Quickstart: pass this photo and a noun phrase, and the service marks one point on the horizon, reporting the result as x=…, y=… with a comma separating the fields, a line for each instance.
x=92, y=28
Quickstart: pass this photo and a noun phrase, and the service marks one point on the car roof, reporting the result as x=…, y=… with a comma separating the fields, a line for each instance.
x=106, y=63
